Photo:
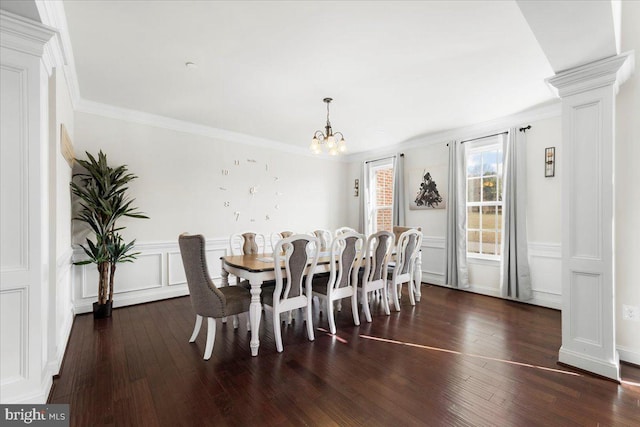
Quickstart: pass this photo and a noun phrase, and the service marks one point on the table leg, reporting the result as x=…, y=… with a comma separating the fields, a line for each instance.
x=417, y=278
x=255, y=312
x=224, y=276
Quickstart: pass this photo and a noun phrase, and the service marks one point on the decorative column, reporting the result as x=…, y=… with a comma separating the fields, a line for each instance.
x=588, y=97
x=24, y=266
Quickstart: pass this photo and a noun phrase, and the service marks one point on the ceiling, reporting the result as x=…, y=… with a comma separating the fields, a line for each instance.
x=396, y=70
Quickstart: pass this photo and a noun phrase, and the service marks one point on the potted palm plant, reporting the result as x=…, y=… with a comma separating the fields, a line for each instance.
x=102, y=194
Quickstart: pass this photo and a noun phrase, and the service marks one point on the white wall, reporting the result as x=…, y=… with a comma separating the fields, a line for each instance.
x=627, y=177
x=543, y=209
x=180, y=175
x=61, y=309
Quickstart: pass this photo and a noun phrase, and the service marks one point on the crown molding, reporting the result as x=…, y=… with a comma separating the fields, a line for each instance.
x=614, y=70
x=553, y=109
x=163, y=122
x=24, y=35
x=52, y=14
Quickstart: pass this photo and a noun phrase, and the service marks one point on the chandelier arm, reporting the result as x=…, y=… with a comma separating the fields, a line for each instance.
x=319, y=135
x=341, y=136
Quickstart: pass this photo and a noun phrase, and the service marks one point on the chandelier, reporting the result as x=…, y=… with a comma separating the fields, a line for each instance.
x=334, y=143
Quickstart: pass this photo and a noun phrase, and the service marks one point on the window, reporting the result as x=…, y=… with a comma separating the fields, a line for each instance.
x=380, y=209
x=484, y=198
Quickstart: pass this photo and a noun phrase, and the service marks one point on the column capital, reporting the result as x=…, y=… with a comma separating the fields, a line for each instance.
x=23, y=34
x=611, y=71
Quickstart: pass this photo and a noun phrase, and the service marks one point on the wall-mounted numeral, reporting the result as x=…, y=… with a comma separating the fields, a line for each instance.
x=236, y=162
x=237, y=215
x=227, y=204
x=225, y=171
x=267, y=217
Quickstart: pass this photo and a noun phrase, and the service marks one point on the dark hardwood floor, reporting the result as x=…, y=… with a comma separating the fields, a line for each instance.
x=456, y=358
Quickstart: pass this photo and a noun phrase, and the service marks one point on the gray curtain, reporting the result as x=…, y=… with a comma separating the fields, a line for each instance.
x=364, y=198
x=399, y=207
x=515, y=280
x=457, y=273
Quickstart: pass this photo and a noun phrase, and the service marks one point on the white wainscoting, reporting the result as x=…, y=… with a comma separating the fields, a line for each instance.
x=544, y=260
x=545, y=263
x=157, y=274
x=434, y=260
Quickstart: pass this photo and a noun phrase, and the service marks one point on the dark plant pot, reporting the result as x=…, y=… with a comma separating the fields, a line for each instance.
x=101, y=311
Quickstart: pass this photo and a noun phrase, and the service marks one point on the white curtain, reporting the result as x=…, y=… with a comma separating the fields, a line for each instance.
x=399, y=208
x=515, y=280
x=457, y=273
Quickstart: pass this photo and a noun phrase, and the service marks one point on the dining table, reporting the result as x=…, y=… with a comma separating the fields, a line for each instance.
x=260, y=268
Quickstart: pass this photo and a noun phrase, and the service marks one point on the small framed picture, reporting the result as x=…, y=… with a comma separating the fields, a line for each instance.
x=549, y=162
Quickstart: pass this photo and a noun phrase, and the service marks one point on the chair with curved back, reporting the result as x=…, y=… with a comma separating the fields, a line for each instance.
x=274, y=238
x=341, y=230
x=407, y=251
x=325, y=238
x=247, y=243
x=298, y=254
x=346, y=258
x=379, y=247
x=208, y=300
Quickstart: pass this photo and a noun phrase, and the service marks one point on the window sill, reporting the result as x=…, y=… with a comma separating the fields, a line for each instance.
x=483, y=259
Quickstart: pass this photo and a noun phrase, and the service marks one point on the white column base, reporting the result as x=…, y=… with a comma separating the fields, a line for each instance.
x=604, y=368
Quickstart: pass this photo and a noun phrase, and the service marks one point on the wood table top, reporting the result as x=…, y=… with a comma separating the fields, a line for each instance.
x=259, y=262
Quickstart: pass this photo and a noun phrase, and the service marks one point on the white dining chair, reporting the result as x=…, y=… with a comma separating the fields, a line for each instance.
x=379, y=248
x=407, y=252
x=342, y=282
x=341, y=230
x=293, y=287
x=325, y=238
x=247, y=242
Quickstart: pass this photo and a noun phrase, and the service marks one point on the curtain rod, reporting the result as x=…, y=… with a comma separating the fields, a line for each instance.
x=482, y=137
x=382, y=158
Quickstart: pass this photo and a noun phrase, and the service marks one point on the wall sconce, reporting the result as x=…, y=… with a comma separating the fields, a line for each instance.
x=356, y=188
x=549, y=162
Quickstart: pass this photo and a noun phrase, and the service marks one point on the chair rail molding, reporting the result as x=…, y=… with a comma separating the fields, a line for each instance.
x=156, y=274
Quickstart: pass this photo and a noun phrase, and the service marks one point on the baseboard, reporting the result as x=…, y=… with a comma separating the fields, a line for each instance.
x=597, y=366
x=126, y=300
x=39, y=396
x=628, y=355
x=433, y=278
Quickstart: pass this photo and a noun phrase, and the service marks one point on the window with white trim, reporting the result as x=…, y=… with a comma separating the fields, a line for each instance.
x=380, y=209
x=484, y=160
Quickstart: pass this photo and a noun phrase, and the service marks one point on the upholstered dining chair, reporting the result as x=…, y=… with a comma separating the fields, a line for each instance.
x=325, y=238
x=274, y=238
x=398, y=230
x=247, y=243
x=346, y=257
x=293, y=289
x=379, y=248
x=208, y=300
x=407, y=252
x=341, y=230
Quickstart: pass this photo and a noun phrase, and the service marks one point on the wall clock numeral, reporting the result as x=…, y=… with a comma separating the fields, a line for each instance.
x=225, y=171
x=227, y=204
